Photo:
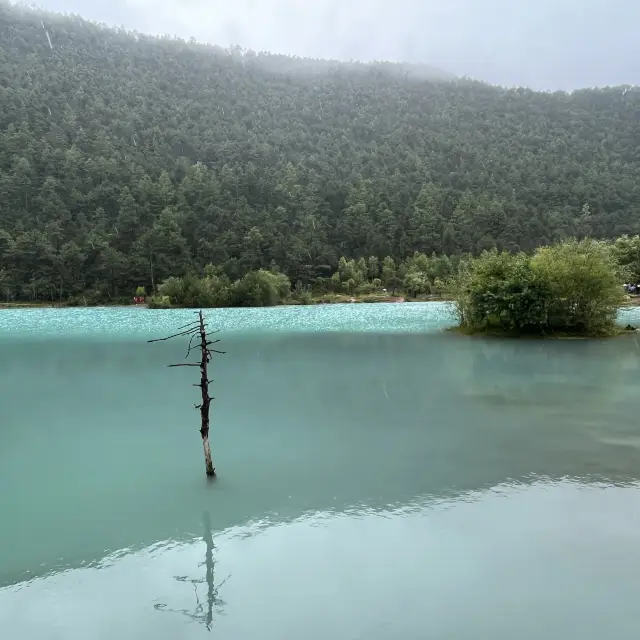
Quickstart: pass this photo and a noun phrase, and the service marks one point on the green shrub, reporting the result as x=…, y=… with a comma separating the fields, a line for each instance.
x=261, y=289
x=367, y=288
x=627, y=254
x=584, y=288
x=159, y=302
x=256, y=289
x=172, y=288
x=194, y=292
x=302, y=293
x=569, y=288
x=416, y=283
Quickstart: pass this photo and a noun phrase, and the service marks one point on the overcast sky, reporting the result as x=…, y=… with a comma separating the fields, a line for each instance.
x=543, y=44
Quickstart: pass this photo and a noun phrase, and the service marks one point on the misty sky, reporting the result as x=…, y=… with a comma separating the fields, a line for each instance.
x=543, y=44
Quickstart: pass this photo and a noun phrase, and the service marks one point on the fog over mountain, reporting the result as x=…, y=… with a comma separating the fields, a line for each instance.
x=543, y=44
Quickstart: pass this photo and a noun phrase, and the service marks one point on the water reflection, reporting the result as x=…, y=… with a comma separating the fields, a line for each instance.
x=553, y=558
x=203, y=611
x=539, y=372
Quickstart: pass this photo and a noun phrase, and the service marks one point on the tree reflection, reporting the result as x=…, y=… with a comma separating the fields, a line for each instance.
x=204, y=610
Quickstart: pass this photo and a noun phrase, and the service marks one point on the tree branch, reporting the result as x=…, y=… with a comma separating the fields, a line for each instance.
x=175, y=335
x=194, y=323
x=194, y=335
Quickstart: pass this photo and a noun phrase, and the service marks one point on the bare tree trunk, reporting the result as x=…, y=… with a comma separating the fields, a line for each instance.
x=208, y=463
x=206, y=399
x=198, y=329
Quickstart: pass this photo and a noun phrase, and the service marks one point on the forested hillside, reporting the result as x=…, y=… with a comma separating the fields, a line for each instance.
x=118, y=151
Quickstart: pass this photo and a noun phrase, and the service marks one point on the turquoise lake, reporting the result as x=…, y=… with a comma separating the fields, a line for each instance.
x=378, y=477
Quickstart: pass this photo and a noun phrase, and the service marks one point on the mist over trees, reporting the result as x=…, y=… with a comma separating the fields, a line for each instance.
x=126, y=160
x=547, y=44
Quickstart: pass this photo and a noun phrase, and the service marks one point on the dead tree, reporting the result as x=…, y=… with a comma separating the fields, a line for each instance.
x=198, y=330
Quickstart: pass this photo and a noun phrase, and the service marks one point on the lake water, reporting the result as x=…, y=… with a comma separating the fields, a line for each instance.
x=379, y=478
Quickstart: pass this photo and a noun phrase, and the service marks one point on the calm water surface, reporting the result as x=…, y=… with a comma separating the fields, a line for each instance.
x=379, y=478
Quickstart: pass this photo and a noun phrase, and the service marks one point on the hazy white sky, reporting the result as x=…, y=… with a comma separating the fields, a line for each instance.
x=539, y=43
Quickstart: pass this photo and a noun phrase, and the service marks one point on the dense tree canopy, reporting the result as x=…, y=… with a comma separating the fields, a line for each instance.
x=127, y=159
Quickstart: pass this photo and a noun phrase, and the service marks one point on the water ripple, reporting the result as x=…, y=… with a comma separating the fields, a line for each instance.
x=136, y=322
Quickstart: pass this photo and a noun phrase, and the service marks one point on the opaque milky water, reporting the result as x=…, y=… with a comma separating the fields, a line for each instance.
x=379, y=478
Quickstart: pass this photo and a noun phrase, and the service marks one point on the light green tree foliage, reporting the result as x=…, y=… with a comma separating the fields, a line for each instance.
x=261, y=289
x=211, y=290
x=627, y=253
x=416, y=283
x=440, y=267
x=571, y=287
x=349, y=286
x=414, y=275
x=416, y=279
x=421, y=272
x=499, y=290
x=350, y=276
x=302, y=293
x=389, y=274
x=583, y=285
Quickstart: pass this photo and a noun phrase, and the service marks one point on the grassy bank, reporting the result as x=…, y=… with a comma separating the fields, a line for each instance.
x=58, y=305
x=336, y=298
x=28, y=305
x=329, y=298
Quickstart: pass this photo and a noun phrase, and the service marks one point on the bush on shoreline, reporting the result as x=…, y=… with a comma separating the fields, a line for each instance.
x=570, y=288
x=417, y=277
x=259, y=288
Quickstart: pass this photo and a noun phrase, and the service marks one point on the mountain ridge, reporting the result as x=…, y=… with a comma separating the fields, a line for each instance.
x=116, y=145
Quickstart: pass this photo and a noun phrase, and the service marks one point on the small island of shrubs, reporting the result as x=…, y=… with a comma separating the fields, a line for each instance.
x=573, y=288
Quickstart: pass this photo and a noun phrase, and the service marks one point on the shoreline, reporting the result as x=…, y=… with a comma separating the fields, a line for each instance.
x=631, y=301
x=317, y=301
